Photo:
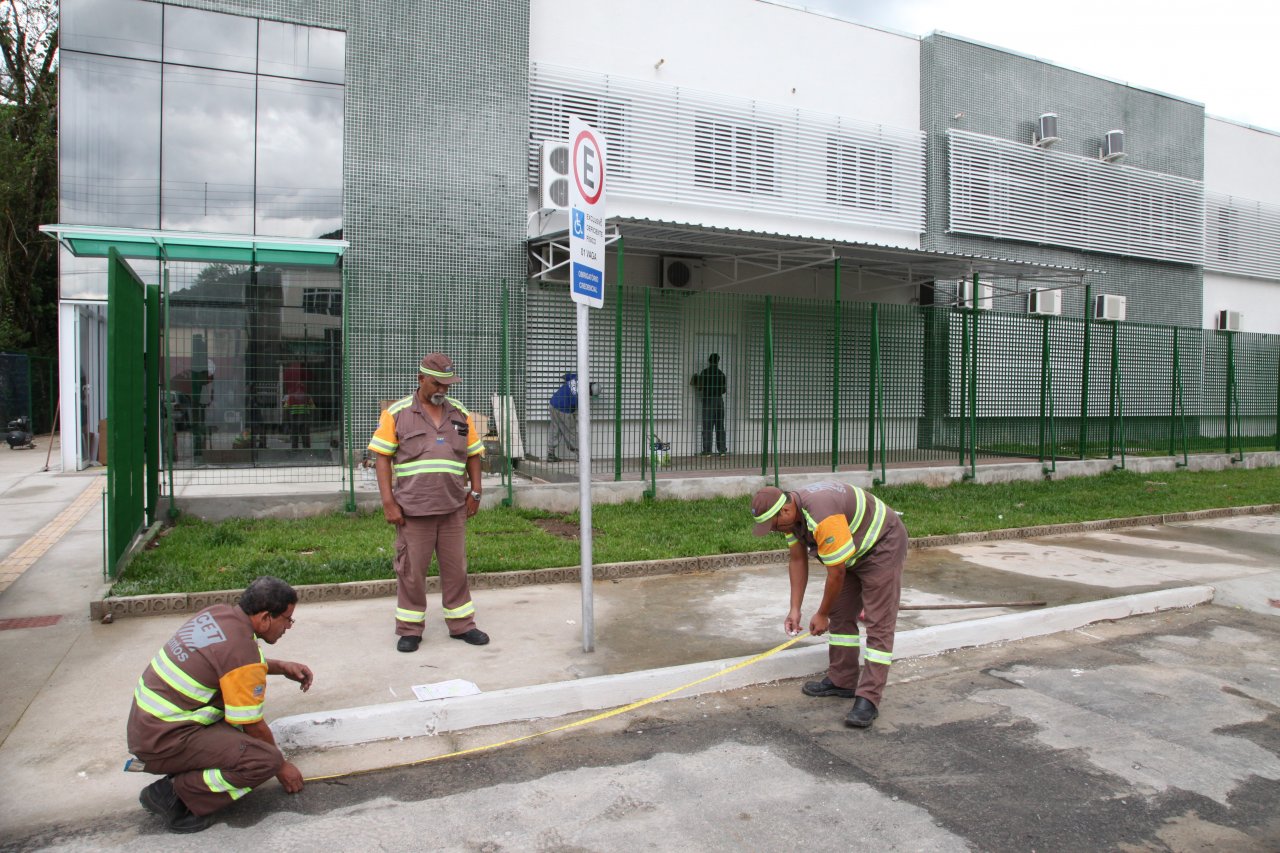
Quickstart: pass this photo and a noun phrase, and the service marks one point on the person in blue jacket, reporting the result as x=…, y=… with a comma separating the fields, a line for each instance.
x=564, y=418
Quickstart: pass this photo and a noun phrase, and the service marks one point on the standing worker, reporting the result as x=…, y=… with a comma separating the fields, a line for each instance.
x=299, y=408
x=863, y=544
x=711, y=383
x=427, y=456
x=564, y=421
x=197, y=709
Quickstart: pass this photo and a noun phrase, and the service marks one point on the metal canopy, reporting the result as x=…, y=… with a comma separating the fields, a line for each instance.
x=755, y=255
x=89, y=241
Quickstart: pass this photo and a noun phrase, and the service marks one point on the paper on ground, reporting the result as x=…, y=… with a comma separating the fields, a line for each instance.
x=444, y=689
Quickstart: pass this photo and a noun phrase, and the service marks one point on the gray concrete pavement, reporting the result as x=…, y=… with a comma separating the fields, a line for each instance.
x=68, y=684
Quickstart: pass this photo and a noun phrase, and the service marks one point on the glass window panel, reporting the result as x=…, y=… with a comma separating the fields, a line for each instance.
x=299, y=158
x=109, y=141
x=305, y=53
x=207, y=175
x=210, y=39
x=129, y=28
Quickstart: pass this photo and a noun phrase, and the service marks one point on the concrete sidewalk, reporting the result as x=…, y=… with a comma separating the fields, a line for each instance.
x=68, y=681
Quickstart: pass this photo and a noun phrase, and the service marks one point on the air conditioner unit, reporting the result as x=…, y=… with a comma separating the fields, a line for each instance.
x=1112, y=146
x=1229, y=321
x=553, y=175
x=1046, y=131
x=682, y=273
x=1044, y=302
x=1108, y=307
x=964, y=295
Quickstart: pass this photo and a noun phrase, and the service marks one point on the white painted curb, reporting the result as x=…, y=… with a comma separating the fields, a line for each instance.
x=395, y=720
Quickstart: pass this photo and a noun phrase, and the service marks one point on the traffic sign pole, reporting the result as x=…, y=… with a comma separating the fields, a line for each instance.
x=584, y=478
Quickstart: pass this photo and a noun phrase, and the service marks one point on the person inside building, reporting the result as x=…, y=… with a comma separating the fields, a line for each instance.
x=863, y=545
x=711, y=385
x=197, y=709
x=563, y=409
x=427, y=457
x=299, y=409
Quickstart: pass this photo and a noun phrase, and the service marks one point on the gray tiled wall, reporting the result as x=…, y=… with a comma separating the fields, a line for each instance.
x=973, y=87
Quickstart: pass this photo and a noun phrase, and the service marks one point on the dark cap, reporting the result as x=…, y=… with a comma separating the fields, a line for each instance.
x=440, y=368
x=764, y=506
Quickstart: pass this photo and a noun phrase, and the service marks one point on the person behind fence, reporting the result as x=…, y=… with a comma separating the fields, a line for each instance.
x=298, y=411
x=564, y=418
x=711, y=384
x=427, y=457
x=197, y=709
x=863, y=545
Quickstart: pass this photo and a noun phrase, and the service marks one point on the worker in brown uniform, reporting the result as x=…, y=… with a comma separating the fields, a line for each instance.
x=863, y=545
x=427, y=455
x=197, y=709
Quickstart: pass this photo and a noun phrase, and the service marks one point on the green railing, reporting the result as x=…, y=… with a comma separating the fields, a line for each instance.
x=820, y=384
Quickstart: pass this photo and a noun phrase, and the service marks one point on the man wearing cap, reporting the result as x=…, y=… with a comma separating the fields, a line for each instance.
x=863, y=544
x=564, y=422
x=427, y=456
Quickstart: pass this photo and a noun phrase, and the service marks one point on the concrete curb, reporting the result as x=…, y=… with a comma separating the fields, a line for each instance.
x=352, y=726
x=183, y=602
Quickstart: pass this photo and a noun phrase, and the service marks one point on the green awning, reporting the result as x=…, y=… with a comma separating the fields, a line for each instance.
x=91, y=241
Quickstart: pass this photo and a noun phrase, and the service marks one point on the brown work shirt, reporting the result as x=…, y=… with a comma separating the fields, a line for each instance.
x=836, y=522
x=428, y=460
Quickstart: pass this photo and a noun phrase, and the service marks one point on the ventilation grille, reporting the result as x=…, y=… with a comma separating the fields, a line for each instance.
x=1242, y=236
x=686, y=146
x=1003, y=189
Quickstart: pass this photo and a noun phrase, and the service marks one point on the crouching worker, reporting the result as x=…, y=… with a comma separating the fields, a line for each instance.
x=863, y=544
x=197, y=709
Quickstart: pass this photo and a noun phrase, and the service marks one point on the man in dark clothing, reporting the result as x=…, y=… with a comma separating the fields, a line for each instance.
x=197, y=709
x=863, y=544
x=564, y=418
x=711, y=384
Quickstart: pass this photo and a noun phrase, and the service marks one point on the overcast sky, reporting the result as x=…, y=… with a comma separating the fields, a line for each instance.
x=1221, y=54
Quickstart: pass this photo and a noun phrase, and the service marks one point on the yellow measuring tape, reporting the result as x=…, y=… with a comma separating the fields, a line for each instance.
x=604, y=716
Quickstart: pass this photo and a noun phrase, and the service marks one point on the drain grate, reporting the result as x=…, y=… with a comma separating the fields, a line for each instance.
x=28, y=622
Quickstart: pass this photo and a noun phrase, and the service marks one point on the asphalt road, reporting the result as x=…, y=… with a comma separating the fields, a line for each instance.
x=1153, y=733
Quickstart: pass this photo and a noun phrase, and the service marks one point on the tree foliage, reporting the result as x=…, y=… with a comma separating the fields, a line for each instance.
x=28, y=174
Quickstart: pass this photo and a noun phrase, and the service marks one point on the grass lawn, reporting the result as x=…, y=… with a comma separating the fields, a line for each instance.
x=196, y=556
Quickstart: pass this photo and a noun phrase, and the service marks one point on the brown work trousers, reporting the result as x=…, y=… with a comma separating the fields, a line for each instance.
x=872, y=584
x=243, y=761
x=417, y=540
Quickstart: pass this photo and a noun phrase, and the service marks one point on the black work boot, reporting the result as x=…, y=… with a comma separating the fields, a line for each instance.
x=826, y=688
x=188, y=821
x=862, y=714
x=159, y=798
x=408, y=644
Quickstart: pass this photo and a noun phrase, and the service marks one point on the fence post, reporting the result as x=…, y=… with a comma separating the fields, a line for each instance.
x=617, y=371
x=964, y=380
x=648, y=436
x=1176, y=404
x=1084, y=371
x=873, y=384
x=151, y=454
x=1233, y=398
x=1111, y=396
x=507, y=402
x=772, y=391
x=172, y=436
x=1044, y=378
x=972, y=473
x=835, y=374
x=348, y=442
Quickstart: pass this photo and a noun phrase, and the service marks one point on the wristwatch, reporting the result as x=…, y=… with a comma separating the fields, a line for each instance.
x=475, y=495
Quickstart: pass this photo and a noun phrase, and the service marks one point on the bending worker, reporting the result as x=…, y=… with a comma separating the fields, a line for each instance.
x=197, y=709
x=427, y=456
x=863, y=544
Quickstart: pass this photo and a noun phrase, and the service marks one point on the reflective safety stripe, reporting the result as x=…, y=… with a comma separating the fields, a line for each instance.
x=179, y=680
x=431, y=466
x=460, y=612
x=860, y=508
x=403, y=615
x=773, y=510
x=386, y=448
x=162, y=709
x=838, y=558
x=791, y=539
x=400, y=405
x=241, y=714
x=478, y=447
x=809, y=521
x=459, y=406
x=216, y=782
x=873, y=529
x=877, y=656
x=852, y=641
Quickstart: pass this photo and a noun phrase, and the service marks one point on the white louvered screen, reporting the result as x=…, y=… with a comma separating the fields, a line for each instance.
x=1004, y=189
x=670, y=144
x=1242, y=236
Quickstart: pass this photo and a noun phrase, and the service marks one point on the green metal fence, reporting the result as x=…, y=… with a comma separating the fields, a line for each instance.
x=132, y=401
x=818, y=384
